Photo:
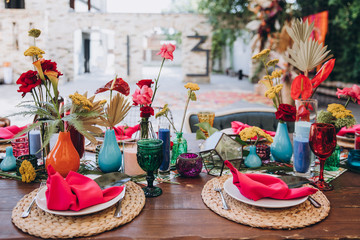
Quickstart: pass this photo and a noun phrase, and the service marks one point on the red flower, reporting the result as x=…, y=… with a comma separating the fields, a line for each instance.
x=166, y=51
x=301, y=86
x=120, y=85
x=353, y=92
x=28, y=81
x=303, y=113
x=146, y=82
x=286, y=113
x=323, y=73
x=48, y=65
x=146, y=111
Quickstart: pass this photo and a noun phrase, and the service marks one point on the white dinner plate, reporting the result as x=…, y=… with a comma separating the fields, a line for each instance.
x=234, y=192
x=41, y=202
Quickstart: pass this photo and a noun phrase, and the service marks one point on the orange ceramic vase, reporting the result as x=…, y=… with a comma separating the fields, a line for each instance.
x=63, y=156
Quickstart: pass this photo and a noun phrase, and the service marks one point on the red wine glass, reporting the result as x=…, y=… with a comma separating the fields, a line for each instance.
x=322, y=141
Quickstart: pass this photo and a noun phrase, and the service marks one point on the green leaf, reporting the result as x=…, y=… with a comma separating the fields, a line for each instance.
x=243, y=143
x=207, y=127
x=200, y=135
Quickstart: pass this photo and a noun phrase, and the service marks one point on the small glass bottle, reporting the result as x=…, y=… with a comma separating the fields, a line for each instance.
x=164, y=134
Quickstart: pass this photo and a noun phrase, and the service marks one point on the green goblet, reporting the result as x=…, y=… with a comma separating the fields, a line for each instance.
x=149, y=156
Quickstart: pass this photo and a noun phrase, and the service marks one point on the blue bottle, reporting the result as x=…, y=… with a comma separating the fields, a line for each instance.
x=110, y=157
x=9, y=162
x=252, y=160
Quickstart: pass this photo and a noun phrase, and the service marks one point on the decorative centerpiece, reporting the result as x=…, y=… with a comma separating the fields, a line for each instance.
x=180, y=144
x=144, y=96
x=49, y=111
x=110, y=157
x=253, y=135
x=281, y=148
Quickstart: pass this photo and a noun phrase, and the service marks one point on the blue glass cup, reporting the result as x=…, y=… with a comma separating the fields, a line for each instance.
x=353, y=161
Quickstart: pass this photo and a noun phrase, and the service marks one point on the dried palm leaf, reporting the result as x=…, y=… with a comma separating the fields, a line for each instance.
x=117, y=110
x=305, y=53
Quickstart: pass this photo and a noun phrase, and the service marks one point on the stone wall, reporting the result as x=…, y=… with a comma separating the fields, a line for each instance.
x=59, y=23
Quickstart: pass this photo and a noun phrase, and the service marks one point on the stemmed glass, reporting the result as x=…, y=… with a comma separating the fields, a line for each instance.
x=149, y=156
x=322, y=141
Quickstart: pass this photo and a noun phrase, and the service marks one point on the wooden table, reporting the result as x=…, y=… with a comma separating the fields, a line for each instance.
x=180, y=213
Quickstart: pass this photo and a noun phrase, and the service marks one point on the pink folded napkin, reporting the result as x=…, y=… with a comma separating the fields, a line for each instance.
x=10, y=131
x=237, y=127
x=125, y=132
x=345, y=130
x=256, y=186
x=75, y=192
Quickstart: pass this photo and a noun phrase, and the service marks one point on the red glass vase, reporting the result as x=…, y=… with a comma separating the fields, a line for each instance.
x=63, y=156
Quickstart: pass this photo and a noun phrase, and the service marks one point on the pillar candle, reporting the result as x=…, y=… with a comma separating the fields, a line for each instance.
x=164, y=134
x=132, y=167
x=35, y=143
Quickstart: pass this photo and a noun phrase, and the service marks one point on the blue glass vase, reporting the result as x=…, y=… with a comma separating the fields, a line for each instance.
x=9, y=162
x=110, y=158
x=252, y=160
x=281, y=148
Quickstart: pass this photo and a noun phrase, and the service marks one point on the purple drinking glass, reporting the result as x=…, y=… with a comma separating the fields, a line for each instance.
x=189, y=164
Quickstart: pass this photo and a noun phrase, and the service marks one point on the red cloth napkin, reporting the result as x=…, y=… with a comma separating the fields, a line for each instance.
x=10, y=131
x=256, y=186
x=125, y=132
x=345, y=130
x=75, y=192
x=238, y=126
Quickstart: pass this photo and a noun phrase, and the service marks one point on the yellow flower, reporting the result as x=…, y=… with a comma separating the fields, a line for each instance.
x=272, y=62
x=102, y=102
x=27, y=172
x=34, y=51
x=192, y=86
x=163, y=111
x=268, y=77
x=339, y=111
x=276, y=74
x=262, y=55
x=34, y=33
x=81, y=100
x=251, y=132
x=268, y=83
x=335, y=107
x=278, y=88
x=270, y=93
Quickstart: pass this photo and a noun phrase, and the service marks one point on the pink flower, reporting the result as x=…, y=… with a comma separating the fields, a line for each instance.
x=353, y=92
x=142, y=96
x=166, y=51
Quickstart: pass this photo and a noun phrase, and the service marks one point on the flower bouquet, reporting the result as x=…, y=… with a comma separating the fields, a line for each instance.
x=281, y=148
x=144, y=96
x=253, y=135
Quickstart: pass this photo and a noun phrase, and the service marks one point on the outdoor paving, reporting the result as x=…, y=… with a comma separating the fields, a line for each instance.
x=223, y=93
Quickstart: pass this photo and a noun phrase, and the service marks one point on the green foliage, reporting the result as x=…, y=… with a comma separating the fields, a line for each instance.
x=327, y=117
x=227, y=17
x=207, y=127
x=343, y=36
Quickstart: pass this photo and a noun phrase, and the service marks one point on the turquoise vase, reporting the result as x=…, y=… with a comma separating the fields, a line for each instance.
x=110, y=157
x=252, y=160
x=281, y=148
x=9, y=162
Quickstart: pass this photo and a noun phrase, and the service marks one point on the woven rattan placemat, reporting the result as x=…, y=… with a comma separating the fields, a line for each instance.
x=298, y=216
x=42, y=224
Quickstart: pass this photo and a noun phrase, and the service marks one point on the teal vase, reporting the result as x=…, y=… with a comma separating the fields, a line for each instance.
x=179, y=147
x=281, y=148
x=252, y=160
x=110, y=158
x=9, y=162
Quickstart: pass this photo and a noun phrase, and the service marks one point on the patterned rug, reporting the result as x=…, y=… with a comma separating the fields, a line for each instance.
x=214, y=99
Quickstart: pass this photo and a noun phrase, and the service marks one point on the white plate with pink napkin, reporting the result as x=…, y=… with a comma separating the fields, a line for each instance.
x=234, y=192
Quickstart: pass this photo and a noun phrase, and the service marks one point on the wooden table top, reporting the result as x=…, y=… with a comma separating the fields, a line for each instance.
x=180, y=213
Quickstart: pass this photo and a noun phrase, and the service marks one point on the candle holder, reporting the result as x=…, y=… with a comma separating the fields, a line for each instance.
x=31, y=158
x=189, y=164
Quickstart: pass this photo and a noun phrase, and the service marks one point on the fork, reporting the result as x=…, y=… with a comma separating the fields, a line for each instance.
x=217, y=188
x=117, y=212
x=28, y=210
